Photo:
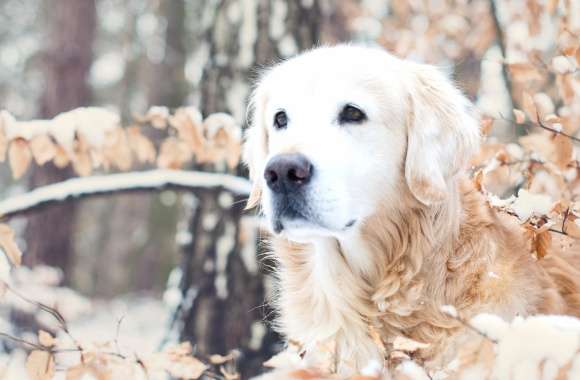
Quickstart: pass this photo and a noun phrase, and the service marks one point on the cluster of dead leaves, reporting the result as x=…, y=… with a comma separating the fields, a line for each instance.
x=459, y=29
x=103, y=362
x=320, y=362
x=539, y=175
x=93, y=138
x=537, y=182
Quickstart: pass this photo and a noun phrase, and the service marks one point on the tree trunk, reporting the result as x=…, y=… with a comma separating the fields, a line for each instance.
x=168, y=86
x=223, y=289
x=67, y=62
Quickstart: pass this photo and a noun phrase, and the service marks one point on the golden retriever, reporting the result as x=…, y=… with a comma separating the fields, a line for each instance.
x=358, y=163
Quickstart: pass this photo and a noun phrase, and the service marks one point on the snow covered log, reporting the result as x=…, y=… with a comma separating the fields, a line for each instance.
x=153, y=180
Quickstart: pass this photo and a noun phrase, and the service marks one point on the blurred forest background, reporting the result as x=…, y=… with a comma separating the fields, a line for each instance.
x=153, y=257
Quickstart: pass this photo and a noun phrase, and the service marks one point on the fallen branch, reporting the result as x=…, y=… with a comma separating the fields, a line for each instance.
x=153, y=180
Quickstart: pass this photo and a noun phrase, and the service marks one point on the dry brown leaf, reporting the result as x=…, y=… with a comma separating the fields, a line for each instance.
x=572, y=226
x=178, y=362
x=76, y=373
x=563, y=150
x=552, y=119
x=141, y=145
x=478, y=180
x=82, y=164
x=61, y=158
x=220, y=359
x=551, y=6
x=479, y=351
x=94, y=370
x=43, y=149
x=519, y=115
x=224, y=139
x=569, y=50
x=46, y=339
x=539, y=144
x=40, y=365
x=306, y=374
x=233, y=155
x=529, y=106
x=186, y=368
x=486, y=125
x=173, y=154
x=8, y=244
x=565, y=87
x=541, y=243
x=559, y=207
x=524, y=72
x=20, y=157
x=117, y=150
x=190, y=128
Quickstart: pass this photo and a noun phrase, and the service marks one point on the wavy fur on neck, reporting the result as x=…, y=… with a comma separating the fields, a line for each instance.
x=410, y=261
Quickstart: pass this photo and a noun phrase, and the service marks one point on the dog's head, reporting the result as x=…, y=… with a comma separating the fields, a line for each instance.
x=338, y=131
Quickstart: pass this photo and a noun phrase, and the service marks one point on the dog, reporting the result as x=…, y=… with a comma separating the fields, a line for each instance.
x=358, y=163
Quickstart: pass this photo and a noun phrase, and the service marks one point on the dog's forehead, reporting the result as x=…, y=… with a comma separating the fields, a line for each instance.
x=327, y=76
x=334, y=66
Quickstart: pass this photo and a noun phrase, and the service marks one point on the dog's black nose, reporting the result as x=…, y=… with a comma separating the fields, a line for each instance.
x=287, y=171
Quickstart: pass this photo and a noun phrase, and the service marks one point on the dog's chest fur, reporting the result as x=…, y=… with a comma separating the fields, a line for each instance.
x=395, y=280
x=324, y=301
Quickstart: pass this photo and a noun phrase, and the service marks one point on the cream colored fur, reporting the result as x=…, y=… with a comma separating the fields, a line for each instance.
x=424, y=236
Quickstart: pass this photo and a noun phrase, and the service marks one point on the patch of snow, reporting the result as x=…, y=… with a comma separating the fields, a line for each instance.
x=449, y=310
x=528, y=204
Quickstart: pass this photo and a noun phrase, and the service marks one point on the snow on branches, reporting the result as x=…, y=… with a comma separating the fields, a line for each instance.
x=92, y=138
x=119, y=182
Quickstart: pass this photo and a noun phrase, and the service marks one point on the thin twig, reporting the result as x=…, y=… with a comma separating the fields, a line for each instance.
x=118, y=329
x=23, y=342
x=540, y=124
x=565, y=219
x=470, y=327
x=544, y=126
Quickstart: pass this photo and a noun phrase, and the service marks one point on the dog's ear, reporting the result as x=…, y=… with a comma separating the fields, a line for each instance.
x=255, y=147
x=442, y=132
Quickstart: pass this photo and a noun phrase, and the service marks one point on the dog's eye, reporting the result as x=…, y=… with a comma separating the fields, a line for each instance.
x=351, y=114
x=280, y=120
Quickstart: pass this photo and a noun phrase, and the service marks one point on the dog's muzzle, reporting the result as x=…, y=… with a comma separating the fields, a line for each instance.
x=287, y=175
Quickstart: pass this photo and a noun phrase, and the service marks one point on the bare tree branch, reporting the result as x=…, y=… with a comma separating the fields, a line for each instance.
x=153, y=180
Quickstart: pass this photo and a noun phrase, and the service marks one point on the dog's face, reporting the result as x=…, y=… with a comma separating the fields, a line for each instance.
x=339, y=131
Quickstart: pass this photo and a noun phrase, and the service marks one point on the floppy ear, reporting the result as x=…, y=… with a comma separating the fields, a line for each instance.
x=255, y=147
x=442, y=133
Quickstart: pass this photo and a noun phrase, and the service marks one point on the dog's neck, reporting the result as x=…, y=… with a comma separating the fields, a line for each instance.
x=394, y=273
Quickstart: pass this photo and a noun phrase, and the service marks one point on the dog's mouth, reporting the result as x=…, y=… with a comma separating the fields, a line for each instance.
x=289, y=215
x=294, y=214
